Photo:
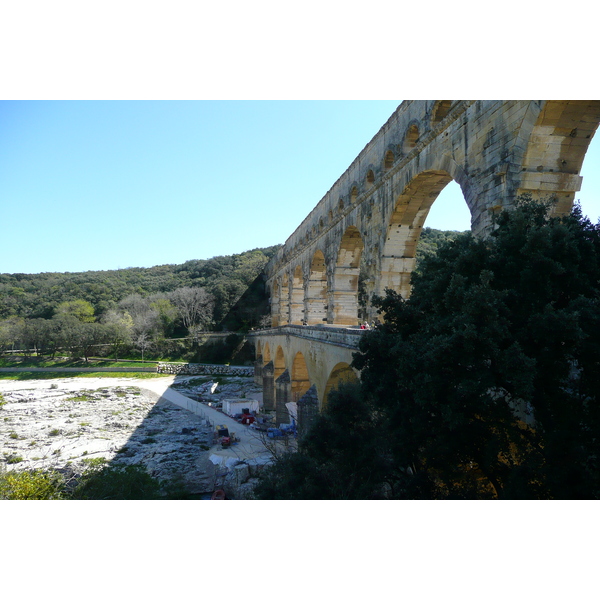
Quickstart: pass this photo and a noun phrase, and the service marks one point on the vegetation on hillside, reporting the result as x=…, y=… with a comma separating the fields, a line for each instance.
x=485, y=383
x=225, y=278
x=151, y=310
x=431, y=240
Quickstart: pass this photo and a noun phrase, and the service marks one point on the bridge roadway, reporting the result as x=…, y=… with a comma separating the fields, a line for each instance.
x=291, y=359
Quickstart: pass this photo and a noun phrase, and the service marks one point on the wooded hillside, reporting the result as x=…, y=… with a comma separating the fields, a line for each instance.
x=225, y=278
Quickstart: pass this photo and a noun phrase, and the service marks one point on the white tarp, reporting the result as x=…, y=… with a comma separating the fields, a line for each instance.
x=235, y=406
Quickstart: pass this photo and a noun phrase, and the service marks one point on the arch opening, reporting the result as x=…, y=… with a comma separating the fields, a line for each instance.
x=404, y=230
x=316, y=292
x=297, y=298
x=284, y=301
x=411, y=139
x=449, y=211
x=440, y=110
x=343, y=298
x=388, y=161
x=266, y=354
x=589, y=195
x=278, y=363
x=300, y=378
x=340, y=374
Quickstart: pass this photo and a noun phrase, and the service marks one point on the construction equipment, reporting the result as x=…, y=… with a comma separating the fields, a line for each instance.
x=225, y=438
x=247, y=419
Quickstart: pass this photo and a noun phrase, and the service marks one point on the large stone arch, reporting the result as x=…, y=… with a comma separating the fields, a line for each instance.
x=343, y=296
x=300, y=377
x=341, y=373
x=316, y=291
x=404, y=229
x=278, y=363
x=266, y=354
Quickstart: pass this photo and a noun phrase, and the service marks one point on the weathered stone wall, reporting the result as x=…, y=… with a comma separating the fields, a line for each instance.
x=198, y=369
x=304, y=350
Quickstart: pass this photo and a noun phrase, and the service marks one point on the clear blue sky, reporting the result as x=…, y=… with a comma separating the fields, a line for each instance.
x=96, y=185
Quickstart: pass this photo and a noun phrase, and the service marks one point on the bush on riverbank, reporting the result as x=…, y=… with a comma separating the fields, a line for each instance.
x=98, y=482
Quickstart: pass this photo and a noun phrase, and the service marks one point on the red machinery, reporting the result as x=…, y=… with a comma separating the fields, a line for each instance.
x=225, y=438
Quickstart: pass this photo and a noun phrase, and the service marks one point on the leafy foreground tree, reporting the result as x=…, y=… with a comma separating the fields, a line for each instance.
x=485, y=383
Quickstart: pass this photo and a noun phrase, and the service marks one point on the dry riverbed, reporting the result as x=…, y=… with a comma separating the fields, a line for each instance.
x=64, y=423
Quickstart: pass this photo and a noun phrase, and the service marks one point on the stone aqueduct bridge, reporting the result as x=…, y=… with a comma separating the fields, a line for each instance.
x=365, y=229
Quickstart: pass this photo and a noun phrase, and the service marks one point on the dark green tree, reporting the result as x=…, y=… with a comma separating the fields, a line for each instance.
x=343, y=456
x=489, y=373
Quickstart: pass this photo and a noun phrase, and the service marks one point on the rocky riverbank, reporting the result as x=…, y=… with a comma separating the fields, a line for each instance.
x=64, y=424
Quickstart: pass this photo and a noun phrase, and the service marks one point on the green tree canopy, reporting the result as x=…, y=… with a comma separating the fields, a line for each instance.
x=80, y=309
x=39, y=295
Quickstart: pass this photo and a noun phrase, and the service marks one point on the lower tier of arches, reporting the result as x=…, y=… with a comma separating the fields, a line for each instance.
x=297, y=372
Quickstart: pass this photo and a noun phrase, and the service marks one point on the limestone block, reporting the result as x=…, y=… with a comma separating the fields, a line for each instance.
x=550, y=181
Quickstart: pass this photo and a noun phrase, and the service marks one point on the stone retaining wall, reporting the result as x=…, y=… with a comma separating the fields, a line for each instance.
x=199, y=369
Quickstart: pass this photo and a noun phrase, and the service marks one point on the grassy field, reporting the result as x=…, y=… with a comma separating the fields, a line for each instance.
x=41, y=362
x=54, y=366
x=25, y=375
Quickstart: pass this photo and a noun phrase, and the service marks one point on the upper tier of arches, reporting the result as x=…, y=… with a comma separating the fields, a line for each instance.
x=361, y=237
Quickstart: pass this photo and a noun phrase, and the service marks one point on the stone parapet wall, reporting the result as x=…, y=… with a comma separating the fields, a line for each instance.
x=200, y=369
x=339, y=336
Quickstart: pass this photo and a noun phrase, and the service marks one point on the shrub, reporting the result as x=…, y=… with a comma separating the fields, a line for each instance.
x=104, y=482
x=13, y=459
x=31, y=485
